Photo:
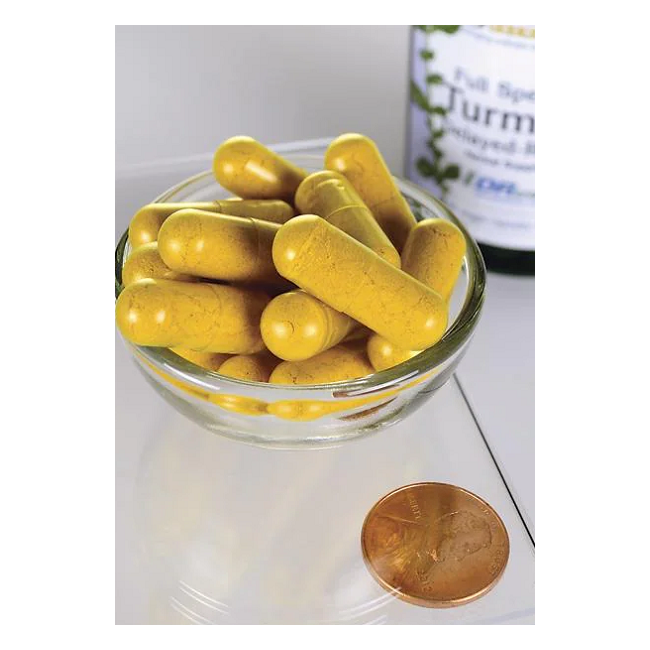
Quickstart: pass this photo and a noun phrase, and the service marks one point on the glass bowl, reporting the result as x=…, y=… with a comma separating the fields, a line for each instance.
x=326, y=414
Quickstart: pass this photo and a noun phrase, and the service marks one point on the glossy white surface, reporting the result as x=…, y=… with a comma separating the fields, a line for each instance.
x=498, y=377
x=212, y=531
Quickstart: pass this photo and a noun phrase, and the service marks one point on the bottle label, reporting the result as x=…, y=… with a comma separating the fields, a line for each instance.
x=472, y=129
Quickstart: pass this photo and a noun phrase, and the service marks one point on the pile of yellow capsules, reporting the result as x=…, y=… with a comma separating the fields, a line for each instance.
x=244, y=287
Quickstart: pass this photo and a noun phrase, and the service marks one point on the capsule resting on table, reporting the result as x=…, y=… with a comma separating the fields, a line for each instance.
x=218, y=246
x=434, y=253
x=145, y=262
x=147, y=221
x=359, y=160
x=198, y=315
x=208, y=360
x=383, y=354
x=340, y=363
x=297, y=326
x=349, y=277
x=331, y=196
x=250, y=367
x=248, y=169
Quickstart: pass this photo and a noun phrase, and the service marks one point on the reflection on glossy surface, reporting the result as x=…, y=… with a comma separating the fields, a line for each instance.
x=236, y=534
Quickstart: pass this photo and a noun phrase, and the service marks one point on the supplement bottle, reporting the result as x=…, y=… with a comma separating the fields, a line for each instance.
x=471, y=138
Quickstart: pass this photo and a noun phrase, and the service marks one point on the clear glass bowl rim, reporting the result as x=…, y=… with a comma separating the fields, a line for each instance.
x=453, y=340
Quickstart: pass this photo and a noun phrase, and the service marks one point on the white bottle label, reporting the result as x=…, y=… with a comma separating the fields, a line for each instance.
x=473, y=127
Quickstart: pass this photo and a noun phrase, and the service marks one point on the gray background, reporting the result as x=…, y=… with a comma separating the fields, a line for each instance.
x=180, y=90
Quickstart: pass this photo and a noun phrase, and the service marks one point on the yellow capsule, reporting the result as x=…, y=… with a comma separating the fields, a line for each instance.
x=248, y=169
x=306, y=192
x=330, y=195
x=324, y=192
x=434, y=253
x=340, y=363
x=219, y=246
x=145, y=262
x=296, y=326
x=199, y=316
x=208, y=360
x=359, y=160
x=383, y=354
x=147, y=221
x=272, y=210
x=349, y=277
x=250, y=367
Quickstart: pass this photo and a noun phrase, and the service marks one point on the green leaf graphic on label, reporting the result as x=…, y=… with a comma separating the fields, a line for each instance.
x=434, y=149
x=424, y=98
x=418, y=97
x=451, y=172
x=447, y=29
x=426, y=168
x=434, y=79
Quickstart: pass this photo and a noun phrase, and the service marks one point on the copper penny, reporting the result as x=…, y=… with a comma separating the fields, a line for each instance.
x=434, y=544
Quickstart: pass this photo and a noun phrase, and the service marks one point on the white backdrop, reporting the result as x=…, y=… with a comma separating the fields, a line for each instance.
x=180, y=90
